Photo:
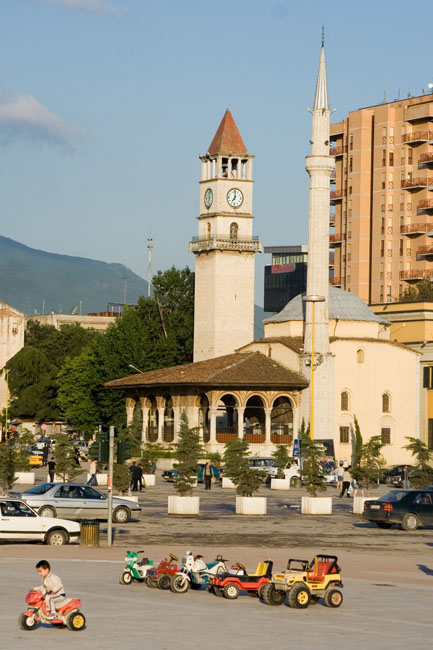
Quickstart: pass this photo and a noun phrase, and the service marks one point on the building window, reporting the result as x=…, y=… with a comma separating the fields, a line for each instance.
x=384, y=158
x=360, y=356
x=409, y=156
x=234, y=230
x=383, y=180
x=350, y=164
x=388, y=293
x=391, y=135
x=386, y=435
x=344, y=435
x=400, y=290
x=384, y=135
x=351, y=142
x=402, y=156
x=401, y=247
x=391, y=159
x=344, y=401
x=382, y=203
x=428, y=377
x=381, y=293
x=386, y=403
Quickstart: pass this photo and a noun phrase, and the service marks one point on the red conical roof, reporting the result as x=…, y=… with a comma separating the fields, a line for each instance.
x=227, y=139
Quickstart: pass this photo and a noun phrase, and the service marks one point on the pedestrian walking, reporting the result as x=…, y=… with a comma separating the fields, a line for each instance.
x=346, y=483
x=45, y=452
x=405, y=478
x=93, y=471
x=340, y=470
x=137, y=479
x=133, y=469
x=51, y=468
x=207, y=475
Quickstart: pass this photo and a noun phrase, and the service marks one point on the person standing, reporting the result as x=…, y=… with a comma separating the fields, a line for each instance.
x=133, y=470
x=405, y=478
x=51, y=468
x=346, y=483
x=247, y=426
x=339, y=472
x=207, y=475
x=93, y=471
x=138, y=478
x=45, y=452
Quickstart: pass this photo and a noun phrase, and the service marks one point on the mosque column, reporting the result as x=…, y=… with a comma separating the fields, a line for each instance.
x=145, y=412
x=212, y=423
x=241, y=411
x=161, y=410
x=268, y=427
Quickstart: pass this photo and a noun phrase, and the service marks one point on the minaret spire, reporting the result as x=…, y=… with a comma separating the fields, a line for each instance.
x=321, y=99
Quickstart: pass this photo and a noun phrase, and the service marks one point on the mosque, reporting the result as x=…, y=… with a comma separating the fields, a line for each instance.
x=325, y=358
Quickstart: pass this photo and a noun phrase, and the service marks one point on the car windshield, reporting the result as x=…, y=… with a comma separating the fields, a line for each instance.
x=40, y=489
x=394, y=496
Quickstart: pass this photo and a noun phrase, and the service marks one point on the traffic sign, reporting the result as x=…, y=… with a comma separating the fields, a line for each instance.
x=296, y=448
x=44, y=427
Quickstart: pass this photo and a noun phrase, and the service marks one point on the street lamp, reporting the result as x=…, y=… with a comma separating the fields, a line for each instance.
x=313, y=298
x=135, y=368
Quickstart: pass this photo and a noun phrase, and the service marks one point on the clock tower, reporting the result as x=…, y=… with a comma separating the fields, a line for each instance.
x=225, y=247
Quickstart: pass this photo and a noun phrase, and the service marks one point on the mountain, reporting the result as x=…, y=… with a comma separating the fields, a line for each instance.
x=32, y=280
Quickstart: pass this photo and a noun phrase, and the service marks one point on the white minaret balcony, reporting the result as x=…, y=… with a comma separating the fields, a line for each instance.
x=241, y=243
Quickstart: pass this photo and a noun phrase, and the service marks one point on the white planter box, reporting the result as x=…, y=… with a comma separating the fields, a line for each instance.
x=280, y=484
x=228, y=483
x=24, y=478
x=183, y=505
x=358, y=504
x=316, y=506
x=149, y=480
x=101, y=478
x=251, y=506
x=127, y=498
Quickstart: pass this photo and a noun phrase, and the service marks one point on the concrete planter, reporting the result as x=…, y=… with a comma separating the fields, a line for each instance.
x=358, y=504
x=316, y=506
x=187, y=506
x=149, y=480
x=227, y=483
x=101, y=478
x=24, y=478
x=252, y=506
x=280, y=484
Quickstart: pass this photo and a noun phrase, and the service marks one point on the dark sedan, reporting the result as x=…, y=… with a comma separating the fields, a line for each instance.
x=394, y=476
x=409, y=508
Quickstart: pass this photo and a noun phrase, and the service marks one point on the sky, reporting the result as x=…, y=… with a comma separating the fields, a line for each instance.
x=105, y=106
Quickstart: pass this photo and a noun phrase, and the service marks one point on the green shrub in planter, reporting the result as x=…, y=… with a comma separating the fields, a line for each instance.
x=423, y=474
x=311, y=462
x=188, y=452
x=282, y=459
x=246, y=479
x=121, y=478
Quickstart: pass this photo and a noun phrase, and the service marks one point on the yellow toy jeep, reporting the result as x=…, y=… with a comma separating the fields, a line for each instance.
x=306, y=582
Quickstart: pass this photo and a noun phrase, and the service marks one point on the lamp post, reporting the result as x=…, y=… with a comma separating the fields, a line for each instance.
x=313, y=298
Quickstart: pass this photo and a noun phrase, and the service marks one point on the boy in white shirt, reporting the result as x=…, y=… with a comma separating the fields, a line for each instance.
x=51, y=587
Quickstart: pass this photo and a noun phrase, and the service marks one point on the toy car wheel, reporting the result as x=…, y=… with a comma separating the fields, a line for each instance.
x=410, y=522
x=121, y=515
x=126, y=578
x=151, y=583
x=299, y=597
x=57, y=538
x=27, y=622
x=333, y=598
x=231, y=591
x=272, y=596
x=164, y=581
x=76, y=621
x=179, y=584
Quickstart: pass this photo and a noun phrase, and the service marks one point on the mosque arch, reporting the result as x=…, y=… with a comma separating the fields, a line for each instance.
x=254, y=418
x=282, y=420
x=360, y=355
x=227, y=418
x=386, y=402
x=234, y=229
x=203, y=416
x=168, y=424
x=152, y=419
x=345, y=401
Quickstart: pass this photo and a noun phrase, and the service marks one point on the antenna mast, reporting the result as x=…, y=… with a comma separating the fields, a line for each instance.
x=149, y=266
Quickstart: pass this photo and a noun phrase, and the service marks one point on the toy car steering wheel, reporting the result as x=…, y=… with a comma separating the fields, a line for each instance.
x=173, y=558
x=240, y=566
x=219, y=558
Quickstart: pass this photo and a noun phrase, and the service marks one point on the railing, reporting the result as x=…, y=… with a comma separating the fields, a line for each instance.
x=416, y=227
x=152, y=434
x=338, y=151
x=223, y=242
x=335, y=281
x=417, y=136
x=225, y=238
x=226, y=437
x=416, y=274
x=227, y=430
x=425, y=158
x=424, y=204
x=282, y=438
x=168, y=433
x=337, y=238
x=337, y=194
x=255, y=438
x=425, y=250
x=414, y=182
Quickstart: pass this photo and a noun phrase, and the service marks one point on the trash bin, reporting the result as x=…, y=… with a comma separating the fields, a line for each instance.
x=89, y=533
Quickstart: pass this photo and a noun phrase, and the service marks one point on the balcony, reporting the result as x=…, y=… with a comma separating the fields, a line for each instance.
x=416, y=274
x=335, y=281
x=225, y=243
x=420, y=113
x=415, y=229
x=424, y=252
x=425, y=205
x=417, y=137
x=425, y=160
x=414, y=183
x=335, y=240
x=338, y=151
x=336, y=195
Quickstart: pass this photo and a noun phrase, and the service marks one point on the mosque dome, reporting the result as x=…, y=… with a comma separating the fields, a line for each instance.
x=343, y=305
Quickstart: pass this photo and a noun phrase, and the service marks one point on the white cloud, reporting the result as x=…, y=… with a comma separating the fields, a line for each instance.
x=24, y=119
x=93, y=6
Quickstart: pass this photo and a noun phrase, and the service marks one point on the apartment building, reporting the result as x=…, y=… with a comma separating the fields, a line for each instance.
x=382, y=199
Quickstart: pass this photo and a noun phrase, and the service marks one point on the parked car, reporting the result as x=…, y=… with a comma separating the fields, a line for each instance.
x=77, y=500
x=19, y=522
x=170, y=474
x=394, y=476
x=409, y=508
x=34, y=458
x=263, y=463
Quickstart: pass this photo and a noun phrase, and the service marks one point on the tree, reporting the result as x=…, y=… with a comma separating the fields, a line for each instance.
x=311, y=462
x=237, y=468
x=65, y=458
x=149, y=456
x=372, y=461
x=121, y=478
x=423, y=474
x=8, y=463
x=188, y=452
x=22, y=444
x=58, y=344
x=282, y=459
x=421, y=292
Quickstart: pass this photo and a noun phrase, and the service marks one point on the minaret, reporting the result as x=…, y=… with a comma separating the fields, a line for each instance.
x=320, y=165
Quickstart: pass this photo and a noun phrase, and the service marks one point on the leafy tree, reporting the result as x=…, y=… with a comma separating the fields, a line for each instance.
x=58, y=344
x=8, y=464
x=121, y=478
x=188, y=451
x=421, y=292
x=65, y=458
x=311, y=462
x=282, y=459
x=237, y=468
x=149, y=456
x=423, y=474
x=371, y=462
x=21, y=447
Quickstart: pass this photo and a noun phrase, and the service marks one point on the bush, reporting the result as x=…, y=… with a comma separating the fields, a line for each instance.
x=246, y=479
x=65, y=458
x=149, y=456
x=282, y=458
x=121, y=478
x=372, y=462
x=423, y=474
x=8, y=464
x=188, y=452
x=311, y=462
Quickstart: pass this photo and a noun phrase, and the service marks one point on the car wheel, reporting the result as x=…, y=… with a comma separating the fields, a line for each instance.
x=294, y=482
x=76, y=621
x=121, y=515
x=231, y=591
x=47, y=511
x=299, y=597
x=179, y=584
x=383, y=524
x=126, y=578
x=27, y=622
x=333, y=598
x=410, y=522
x=57, y=538
x=164, y=581
x=271, y=596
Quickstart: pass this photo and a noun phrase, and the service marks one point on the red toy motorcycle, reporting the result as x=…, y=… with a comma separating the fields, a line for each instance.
x=68, y=612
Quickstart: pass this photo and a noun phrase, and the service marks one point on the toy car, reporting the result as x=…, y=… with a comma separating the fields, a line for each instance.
x=135, y=569
x=229, y=585
x=306, y=583
x=194, y=572
x=161, y=575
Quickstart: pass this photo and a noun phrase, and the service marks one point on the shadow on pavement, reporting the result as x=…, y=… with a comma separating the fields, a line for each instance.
x=425, y=569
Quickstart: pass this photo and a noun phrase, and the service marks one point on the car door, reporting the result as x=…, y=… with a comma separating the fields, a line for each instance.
x=67, y=500
x=95, y=503
x=18, y=521
x=423, y=503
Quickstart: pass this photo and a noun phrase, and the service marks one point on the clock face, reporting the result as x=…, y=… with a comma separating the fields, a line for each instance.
x=235, y=197
x=208, y=198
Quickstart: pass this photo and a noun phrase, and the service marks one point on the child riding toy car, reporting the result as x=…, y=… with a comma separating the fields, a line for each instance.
x=229, y=585
x=306, y=582
x=135, y=569
x=161, y=575
x=67, y=613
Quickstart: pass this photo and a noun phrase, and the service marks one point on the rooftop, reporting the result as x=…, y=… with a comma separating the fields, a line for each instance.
x=227, y=139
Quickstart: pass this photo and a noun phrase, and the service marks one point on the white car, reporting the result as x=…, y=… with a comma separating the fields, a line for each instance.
x=19, y=522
